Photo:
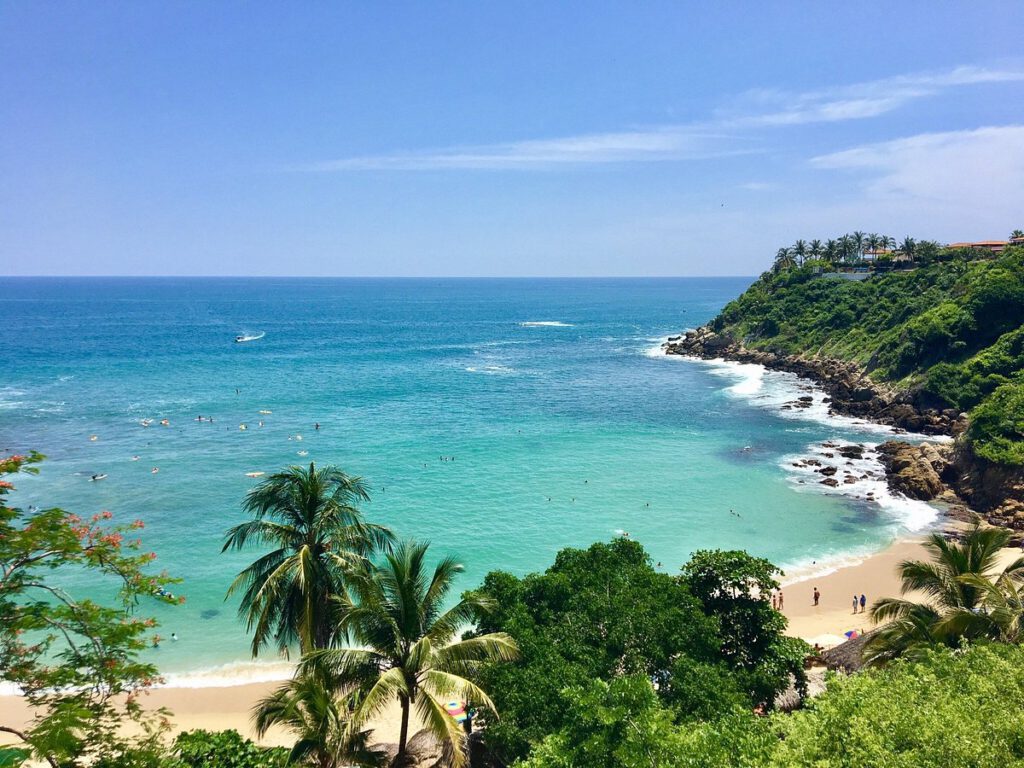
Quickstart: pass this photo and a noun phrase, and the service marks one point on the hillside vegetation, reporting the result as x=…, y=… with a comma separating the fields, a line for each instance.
x=952, y=331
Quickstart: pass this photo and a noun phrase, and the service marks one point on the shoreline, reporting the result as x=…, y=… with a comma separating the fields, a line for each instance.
x=994, y=491
x=221, y=707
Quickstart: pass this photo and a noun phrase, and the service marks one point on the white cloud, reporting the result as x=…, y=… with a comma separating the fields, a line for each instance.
x=860, y=100
x=968, y=181
x=673, y=143
x=723, y=135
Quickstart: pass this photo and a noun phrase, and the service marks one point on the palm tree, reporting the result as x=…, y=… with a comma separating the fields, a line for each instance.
x=307, y=706
x=317, y=535
x=402, y=646
x=858, y=243
x=831, y=250
x=907, y=247
x=885, y=241
x=960, y=591
x=784, y=260
x=847, y=247
x=814, y=249
x=1017, y=235
x=800, y=250
x=871, y=242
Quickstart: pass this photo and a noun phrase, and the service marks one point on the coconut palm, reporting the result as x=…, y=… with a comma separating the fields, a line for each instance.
x=872, y=243
x=317, y=534
x=908, y=247
x=960, y=590
x=402, y=646
x=784, y=260
x=307, y=706
x=1017, y=234
x=858, y=239
x=800, y=251
x=814, y=248
x=831, y=249
x=885, y=241
x=847, y=248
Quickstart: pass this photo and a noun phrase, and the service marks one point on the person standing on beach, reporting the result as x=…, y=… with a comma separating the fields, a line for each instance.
x=775, y=600
x=781, y=603
x=817, y=596
x=854, y=603
x=863, y=603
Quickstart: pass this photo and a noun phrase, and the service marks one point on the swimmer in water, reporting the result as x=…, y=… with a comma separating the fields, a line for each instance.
x=154, y=470
x=135, y=458
x=316, y=426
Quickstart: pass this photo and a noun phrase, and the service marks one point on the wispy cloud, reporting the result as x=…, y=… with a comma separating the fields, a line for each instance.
x=856, y=101
x=962, y=173
x=728, y=132
x=672, y=143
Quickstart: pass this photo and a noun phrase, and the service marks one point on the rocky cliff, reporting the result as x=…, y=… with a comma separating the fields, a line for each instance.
x=952, y=473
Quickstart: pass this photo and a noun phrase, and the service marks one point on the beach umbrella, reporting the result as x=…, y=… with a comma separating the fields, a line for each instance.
x=853, y=633
x=457, y=710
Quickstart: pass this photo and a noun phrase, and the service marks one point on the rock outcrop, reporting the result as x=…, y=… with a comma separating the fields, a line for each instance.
x=997, y=490
x=925, y=472
x=914, y=470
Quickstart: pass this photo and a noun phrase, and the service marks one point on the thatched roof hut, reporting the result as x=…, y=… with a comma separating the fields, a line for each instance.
x=847, y=657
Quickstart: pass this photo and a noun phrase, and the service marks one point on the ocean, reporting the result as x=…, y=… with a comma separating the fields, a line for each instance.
x=564, y=425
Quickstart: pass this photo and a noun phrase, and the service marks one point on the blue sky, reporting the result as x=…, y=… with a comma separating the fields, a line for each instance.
x=498, y=138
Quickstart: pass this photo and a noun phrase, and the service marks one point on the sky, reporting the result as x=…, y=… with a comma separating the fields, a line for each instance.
x=498, y=139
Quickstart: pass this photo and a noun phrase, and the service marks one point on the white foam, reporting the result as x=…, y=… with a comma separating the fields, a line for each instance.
x=234, y=673
x=775, y=390
x=658, y=350
x=491, y=370
x=800, y=571
x=868, y=484
x=546, y=324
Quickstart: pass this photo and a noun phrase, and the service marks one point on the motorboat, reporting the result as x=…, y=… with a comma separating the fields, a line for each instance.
x=242, y=338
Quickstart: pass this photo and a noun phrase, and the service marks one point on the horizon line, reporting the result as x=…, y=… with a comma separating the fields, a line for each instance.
x=367, y=277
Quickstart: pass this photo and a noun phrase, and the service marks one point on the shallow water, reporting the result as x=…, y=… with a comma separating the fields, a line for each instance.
x=565, y=422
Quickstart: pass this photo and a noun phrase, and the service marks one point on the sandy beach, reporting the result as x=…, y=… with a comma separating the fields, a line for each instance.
x=218, y=708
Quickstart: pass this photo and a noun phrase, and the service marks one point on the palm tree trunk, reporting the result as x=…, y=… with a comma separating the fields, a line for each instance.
x=403, y=735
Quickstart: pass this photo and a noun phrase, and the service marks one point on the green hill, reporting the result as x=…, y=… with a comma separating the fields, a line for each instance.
x=951, y=332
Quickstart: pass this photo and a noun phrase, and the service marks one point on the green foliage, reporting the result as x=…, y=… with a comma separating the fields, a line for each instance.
x=622, y=724
x=966, y=598
x=13, y=757
x=75, y=661
x=733, y=587
x=401, y=644
x=954, y=709
x=604, y=613
x=952, y=328
x=609, y=725
x=224, y=749
x=950, y=709
x=309, y=520
x=997, y=425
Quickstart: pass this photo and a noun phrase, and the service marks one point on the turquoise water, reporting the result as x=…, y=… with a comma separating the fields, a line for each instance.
x=565, y=425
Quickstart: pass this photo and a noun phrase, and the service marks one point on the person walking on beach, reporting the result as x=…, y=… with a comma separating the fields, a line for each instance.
x=775, y=600
x=863, y=603
x=817, y=596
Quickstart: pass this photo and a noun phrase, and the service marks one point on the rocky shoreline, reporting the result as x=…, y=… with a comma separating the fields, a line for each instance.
x=850, y=390
x=946, y=473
